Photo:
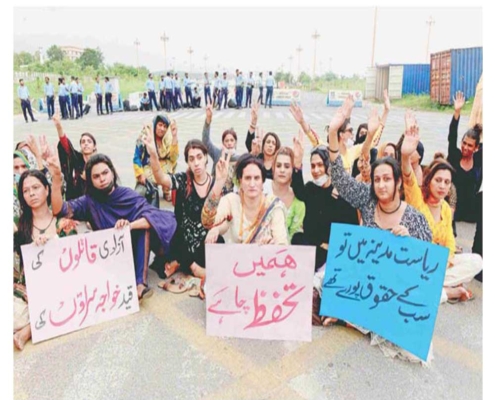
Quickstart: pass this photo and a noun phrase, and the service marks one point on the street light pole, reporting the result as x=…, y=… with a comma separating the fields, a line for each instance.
x=299, y=49
x=430, y=22
x=374, y=37
x=190, y=51
x=165, y=38
x=315, y=36
x=137, y=44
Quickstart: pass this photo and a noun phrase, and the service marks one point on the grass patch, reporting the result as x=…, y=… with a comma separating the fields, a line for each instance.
x=424, y=103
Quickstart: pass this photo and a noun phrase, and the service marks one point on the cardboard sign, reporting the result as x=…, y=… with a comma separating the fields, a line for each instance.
x=259, y=292
x=388, y=284
x=79, y=281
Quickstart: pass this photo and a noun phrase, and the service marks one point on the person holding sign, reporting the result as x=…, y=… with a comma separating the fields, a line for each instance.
x=380, y=203
x=192, y=186
x=107, y=205
x=250, y=216
x=430, y=201
x=36, y=224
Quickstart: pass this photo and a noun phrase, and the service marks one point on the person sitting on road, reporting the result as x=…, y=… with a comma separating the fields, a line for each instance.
x=144, y=102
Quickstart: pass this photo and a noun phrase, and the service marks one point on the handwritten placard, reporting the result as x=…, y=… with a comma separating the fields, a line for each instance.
x=79, y=281
x=259, y=292
x=388, y=284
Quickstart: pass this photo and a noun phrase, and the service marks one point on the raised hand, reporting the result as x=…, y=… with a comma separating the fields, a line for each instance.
x=33, y=146
x=148, y=139
x=53, y=162
x=373, y=122
x=411, y=136
x=348, y=106
x=56, y=119
x=173, y=128
x=296, y=112
x=254, y=113
x=45, y=149
x=386, y=100
x=298, y=149
x=222, y=167
x=337, y=120
x=459, y=101
x=209, y=113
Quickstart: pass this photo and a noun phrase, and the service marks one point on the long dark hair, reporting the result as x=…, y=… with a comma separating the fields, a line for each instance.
x=193, y=144
x=394, y=164
x=438, y=164
x=93, y=160
x=25, y=227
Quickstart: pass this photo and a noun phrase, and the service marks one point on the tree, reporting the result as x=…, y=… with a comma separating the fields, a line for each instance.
x=304, y=78
x=23, y=58
x=55, y=53
x=91, y=58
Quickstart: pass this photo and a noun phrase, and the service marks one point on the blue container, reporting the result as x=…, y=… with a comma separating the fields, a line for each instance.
x=466, y=69
x=416, y=79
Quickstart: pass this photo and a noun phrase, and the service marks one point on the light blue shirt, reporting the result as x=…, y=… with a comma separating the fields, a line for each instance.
x=80, y=89
x=73, y=87
x=49, y=89
x=108, y=87
x=250, y=81
x=225, y=84
x=216, y=83
x=270, y=82
x=161, y=85
x=206, y=82
x=23, y=92
x=259, y=82
x=174, y=83
x=239, y=80
x=187, y=82
x=97, y=88
x=177, y=83
x=62, y=90
x=168, y=82
x=150, y=85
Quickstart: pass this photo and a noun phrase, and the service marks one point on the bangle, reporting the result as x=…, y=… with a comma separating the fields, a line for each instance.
x=333, y=151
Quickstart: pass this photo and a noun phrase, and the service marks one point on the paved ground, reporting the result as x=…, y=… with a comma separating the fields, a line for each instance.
x=163, y=351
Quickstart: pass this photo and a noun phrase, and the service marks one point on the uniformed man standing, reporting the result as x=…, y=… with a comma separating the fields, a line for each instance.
x=161, y=87
x=108, y=94
x=168, y=93
x=270, y=83
x=216, y=88
x=249, y=89
x=80, y=93
x=50, y=97
x=187, y=88
x=23, y=94
x=207, y=89
x=177, y=92
x=73, y=98
x=260, y=87
x=150, y=86
x=99, y=97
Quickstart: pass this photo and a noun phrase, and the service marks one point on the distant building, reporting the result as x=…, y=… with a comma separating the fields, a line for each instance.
x=72, y=52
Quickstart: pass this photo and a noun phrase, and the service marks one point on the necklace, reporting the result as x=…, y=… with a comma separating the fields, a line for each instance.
x=42, y=231
x=389, y=212
x=206, y=180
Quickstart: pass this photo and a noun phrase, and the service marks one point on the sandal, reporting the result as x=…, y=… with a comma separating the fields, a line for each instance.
x=176, y=283
x=467, y=296
x=146, y=294
x=171, y=268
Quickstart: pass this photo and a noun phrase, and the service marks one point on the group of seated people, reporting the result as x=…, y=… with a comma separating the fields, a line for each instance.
x=258, y=196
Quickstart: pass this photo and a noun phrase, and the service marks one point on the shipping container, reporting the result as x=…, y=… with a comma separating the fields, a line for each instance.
x=398, y=79
x=453, y=70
